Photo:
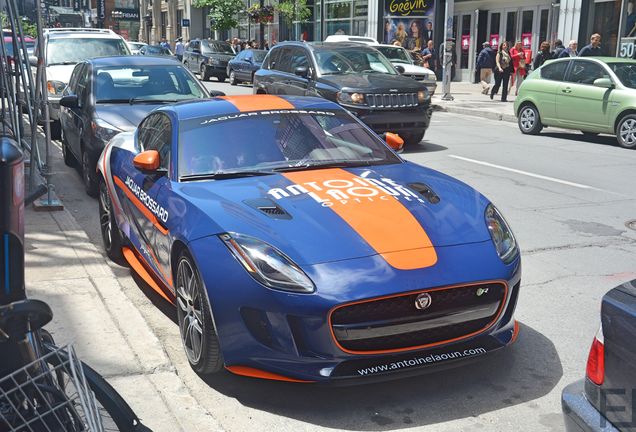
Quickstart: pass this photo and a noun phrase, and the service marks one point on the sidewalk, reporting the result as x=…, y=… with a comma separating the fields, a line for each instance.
x=91, y=311
x=470, y=101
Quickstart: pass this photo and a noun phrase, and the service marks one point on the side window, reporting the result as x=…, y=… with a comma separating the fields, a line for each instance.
x=554, y=71
x=72, y=83
x=159, y=137
x=283, y=63
x=272, y=59
x=82, y=85
x=586, y=72
x=298, y=59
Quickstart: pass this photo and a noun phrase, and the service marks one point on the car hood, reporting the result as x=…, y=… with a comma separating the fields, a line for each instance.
x=372, y=82
x=413, y=69
x=123, y=115
x=59, y=73
x=327, y=215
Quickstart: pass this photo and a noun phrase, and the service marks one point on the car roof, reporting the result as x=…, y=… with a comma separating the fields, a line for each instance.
x=81, y=33
x=130, y=60
x=318, y=46
x=229, y=105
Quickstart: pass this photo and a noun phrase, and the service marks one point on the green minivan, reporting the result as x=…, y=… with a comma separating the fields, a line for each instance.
x=591, y=94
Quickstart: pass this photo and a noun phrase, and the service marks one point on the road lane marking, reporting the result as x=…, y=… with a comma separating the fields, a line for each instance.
x=526, y=173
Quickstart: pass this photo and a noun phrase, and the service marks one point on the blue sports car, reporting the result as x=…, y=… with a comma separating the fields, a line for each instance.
x=297, y=245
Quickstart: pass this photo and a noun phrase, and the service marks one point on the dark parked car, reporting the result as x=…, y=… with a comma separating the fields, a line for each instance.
x=108, y=95
x=208, y=58
x=606, y=399
x=155, y=50
x=357, y=77
x=242, y=67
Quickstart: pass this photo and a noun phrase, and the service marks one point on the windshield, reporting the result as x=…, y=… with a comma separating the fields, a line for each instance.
x=75, y=50
x=395, y=54
x=119, y=84
x=216, y=47
x=352, y=60
x=157, y=50
x=267, y=141
x=626, y=72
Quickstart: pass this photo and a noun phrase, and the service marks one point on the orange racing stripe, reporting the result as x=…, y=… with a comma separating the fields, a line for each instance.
x=142, y=208
x=139, y=268
x=258, y=102
x=384, y=223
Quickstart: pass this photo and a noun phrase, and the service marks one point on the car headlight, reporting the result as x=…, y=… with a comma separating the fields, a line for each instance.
x=55, y=87
x=267, y=264
x=422, y=95
x=104, y=131
x=501, y=234
x=351, y=98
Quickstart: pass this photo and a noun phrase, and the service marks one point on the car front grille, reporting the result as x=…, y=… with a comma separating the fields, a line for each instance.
x=391, y=100
x=395, y=323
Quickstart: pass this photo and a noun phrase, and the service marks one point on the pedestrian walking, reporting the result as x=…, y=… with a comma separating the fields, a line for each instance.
x=429, y=56
x=558, y=49
x=164, y=43
x=519, y=71
x=543, y=55
x=179, y=49
x=486, y=64
x=594, y=48
x=502, y=72
x=570, y=51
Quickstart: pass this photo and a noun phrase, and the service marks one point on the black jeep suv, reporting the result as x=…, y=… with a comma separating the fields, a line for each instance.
x=355, y=76
x=208, y=58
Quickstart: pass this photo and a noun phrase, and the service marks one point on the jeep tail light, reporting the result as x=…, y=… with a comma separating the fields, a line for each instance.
x=595, y=370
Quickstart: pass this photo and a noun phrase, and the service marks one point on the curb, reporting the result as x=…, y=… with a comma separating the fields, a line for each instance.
x=475, y=112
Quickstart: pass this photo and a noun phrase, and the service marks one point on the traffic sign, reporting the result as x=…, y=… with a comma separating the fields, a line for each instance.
x=185, y=22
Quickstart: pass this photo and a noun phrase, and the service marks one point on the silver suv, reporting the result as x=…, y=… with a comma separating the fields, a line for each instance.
x=63, y=49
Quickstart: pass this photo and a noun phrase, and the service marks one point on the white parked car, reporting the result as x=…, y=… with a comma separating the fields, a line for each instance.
x=399, y=56
x=135, y=47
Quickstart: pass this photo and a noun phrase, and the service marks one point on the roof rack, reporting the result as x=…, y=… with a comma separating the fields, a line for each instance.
x=79, y=29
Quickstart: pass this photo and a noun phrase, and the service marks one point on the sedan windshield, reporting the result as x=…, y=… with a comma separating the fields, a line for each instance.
x=216, y=47
x=395, y=54
x=352, y=60
x=119, y=84
x=265, y=142
x=626, y=72
x=74, y=50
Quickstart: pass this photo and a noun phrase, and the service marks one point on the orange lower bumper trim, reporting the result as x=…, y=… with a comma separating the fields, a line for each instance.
x=139, y=268
x=257, y=373
x=515, y=332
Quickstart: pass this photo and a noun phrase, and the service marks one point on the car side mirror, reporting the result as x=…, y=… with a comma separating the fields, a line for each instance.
x=301, y=71
x=70, y=101
x=216, y=93
x=400, y=69
x=33, y=61
x=147, y=161
x=604, y=83
x=394, y=141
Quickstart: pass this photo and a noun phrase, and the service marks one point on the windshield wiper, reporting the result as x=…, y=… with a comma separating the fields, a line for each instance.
x=221, y=175
x=139, y=99
x=334, y=164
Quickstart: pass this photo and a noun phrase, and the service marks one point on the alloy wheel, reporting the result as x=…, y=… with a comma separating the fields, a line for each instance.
x=105, y=218
x=627, y=132
x=527, y=119
x=190, y=305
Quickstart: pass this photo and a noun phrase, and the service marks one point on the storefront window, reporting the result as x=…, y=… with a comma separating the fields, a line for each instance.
x=606, y=19
x=543, y=26
x=627, y=47
x=511, y=28
x=465, y=47
x=338, y=10
x=179, y=18
x=164, y=22
x=495, y=26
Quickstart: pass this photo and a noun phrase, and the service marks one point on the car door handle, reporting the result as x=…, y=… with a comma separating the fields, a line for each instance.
x=567, y=90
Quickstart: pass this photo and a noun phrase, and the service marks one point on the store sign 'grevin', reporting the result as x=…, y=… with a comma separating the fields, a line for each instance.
x=408, y=7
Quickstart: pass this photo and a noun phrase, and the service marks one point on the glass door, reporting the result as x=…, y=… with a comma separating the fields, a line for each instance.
x=512, y=29
x=494, y=28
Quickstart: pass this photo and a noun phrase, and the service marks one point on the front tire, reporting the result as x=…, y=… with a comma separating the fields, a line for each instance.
x=221, y=78
x=529, y=121
x=413, y=138
x=89, y=174
x=626, y=132
x=196, y=327
x=203, y=73
x=111, y=236
x=233, y=80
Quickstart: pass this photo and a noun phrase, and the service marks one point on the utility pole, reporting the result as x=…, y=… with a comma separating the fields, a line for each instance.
x=449, y=46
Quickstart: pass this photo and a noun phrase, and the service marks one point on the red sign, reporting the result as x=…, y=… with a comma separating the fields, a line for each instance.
x=526, y=40
x=494, y=41
x=465, y=42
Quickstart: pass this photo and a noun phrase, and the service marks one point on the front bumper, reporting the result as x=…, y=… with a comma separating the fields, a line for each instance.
x=395, y=120
x=291, y=335
x=54, y=107
x=219, y=70
x=579, y=414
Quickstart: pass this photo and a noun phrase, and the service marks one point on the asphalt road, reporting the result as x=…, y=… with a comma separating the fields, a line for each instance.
x=568, y=199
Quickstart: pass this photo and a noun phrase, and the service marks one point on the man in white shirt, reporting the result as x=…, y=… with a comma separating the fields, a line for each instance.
x=179, y=48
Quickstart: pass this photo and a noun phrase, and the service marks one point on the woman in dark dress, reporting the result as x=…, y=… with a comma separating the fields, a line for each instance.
x=503, y=69
x=543, y=55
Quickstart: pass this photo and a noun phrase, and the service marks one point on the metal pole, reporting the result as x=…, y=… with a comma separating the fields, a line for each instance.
x=449, y=46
